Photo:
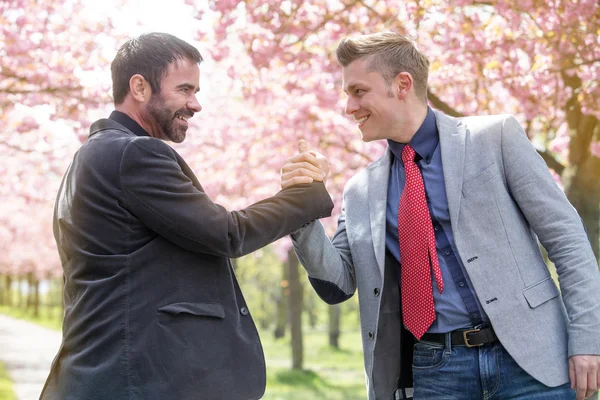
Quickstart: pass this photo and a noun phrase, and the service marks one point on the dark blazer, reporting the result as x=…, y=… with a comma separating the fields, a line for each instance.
x=152, y=306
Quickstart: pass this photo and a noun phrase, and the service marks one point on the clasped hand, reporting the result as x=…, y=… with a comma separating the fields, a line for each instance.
x=305, y=167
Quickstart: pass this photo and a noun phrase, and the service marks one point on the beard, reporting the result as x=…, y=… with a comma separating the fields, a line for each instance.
x=165, y=119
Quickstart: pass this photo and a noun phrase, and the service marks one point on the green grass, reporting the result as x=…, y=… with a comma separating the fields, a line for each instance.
x=50, y=317
x=6, y=385
x=329, y=374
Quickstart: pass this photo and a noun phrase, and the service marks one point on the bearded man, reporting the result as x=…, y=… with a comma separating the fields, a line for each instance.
x=152, y=307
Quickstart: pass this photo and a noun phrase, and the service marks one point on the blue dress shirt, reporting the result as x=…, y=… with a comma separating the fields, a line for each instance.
x=458, y=297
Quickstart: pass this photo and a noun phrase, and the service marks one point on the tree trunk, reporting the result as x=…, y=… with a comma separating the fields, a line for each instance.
x=33, y=293
x=282, y=304
x=295, y=309
x=311, y=310
x=36, y=297
x=9, y=296
x=22, y=301
x=334, y=325
x=582, y=186
x=581, y=178
x=30, y=291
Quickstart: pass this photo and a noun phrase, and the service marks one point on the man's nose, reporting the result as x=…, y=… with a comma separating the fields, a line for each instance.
x=194, y=105
x=351, y=106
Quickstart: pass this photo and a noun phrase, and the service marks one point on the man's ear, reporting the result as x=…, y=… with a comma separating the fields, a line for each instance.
x=139, y=88
x=403, y=84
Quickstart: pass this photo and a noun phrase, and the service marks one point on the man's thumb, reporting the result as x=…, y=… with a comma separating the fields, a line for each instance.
x=302, y=146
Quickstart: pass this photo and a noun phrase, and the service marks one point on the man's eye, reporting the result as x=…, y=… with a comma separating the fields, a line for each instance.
x=358, y=91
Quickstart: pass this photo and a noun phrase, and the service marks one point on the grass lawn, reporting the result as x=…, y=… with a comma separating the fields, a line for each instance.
x=49, y=317
x=6, y=385
x=328, y=374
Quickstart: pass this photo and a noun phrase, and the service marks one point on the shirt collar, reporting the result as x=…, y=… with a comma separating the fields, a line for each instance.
x=128, y=123
x=424, y=142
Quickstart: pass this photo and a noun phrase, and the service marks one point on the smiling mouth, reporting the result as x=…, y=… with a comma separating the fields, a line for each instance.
x=361, y=121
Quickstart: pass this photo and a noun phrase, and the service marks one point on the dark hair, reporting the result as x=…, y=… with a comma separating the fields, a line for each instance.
x=149, y=55
x=389, y=54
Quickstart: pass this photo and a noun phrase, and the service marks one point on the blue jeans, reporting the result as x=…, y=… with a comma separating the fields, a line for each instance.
x=443, y=372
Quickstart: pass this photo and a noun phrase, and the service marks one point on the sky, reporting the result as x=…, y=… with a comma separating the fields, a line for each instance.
x=173, y=17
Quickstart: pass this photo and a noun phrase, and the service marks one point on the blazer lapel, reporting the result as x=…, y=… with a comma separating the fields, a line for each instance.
x=377, y=194
x=452, y=141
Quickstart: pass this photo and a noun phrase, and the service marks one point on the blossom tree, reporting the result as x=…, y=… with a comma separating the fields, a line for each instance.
x=48, y=53
x=537, y=60
x=49, y=59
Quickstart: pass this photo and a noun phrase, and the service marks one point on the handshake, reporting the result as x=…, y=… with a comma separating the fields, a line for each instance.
x=305, y=167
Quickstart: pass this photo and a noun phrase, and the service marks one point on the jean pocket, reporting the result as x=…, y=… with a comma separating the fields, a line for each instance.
x=428, y=355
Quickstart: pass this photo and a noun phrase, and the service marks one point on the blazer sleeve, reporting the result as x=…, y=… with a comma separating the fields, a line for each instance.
x=328, y=262
x=558, y=227
x=155, y=189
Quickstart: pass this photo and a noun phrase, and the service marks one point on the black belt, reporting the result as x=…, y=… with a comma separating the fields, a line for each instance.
x=469, y=337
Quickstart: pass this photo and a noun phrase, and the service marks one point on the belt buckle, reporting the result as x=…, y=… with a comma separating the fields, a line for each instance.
x=467, y=340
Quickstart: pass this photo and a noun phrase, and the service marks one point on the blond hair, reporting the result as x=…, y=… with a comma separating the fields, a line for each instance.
x=389, y=54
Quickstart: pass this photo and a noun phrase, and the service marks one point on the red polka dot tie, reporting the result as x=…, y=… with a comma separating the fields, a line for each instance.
x=417, y=251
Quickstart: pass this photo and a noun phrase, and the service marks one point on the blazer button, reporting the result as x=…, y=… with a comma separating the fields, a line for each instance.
x=376, y=292
x=244, y=311
x=371, y=336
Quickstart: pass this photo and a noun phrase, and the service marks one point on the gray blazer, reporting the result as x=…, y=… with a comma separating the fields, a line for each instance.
x=502, y=199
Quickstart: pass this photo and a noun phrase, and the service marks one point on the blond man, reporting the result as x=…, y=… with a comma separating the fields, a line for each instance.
x=440, y=237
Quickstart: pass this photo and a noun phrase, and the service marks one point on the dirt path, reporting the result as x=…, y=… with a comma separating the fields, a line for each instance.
x=27, y=351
